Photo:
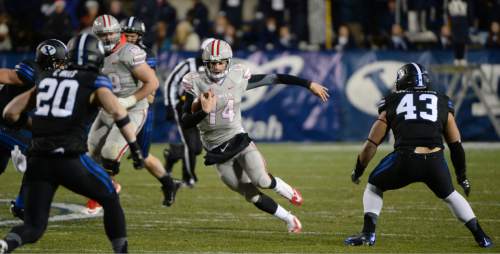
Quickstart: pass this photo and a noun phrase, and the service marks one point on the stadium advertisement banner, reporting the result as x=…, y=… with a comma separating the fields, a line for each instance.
x=356, y=80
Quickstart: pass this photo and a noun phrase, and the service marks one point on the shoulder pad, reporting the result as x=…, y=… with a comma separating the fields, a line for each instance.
x=245, y=71
x=132, y=55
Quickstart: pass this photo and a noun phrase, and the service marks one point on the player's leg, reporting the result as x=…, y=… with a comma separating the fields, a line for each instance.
x=97, y=135
x=172, y=154
x=84, y=176
x=40, y=186
x=233, y=175
x=439, y=181
x=192, y=147
x=169, y=186
x=254, y=165
x=385, y=176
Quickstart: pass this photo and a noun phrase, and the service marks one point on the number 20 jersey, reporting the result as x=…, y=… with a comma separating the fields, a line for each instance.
x=417, y=118
x=63, y=111
x=224, y=122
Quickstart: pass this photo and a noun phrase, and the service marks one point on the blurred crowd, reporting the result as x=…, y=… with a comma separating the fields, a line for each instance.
x=274, y=25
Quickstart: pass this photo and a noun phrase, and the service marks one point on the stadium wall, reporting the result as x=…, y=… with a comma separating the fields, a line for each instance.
x=357, y=80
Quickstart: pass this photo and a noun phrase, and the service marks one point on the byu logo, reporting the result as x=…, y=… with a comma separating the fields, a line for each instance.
x=48, y=50
x=370, y=83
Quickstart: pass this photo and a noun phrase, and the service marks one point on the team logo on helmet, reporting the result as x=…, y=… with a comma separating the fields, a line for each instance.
x=48, y=50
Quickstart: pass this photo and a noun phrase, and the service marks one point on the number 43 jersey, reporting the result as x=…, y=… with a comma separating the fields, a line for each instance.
x=224, y=122
x=417, y=118
x=63, y=111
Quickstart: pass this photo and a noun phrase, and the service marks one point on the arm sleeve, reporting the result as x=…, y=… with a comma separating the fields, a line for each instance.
x=190, y=119
x=381, y=105
x=457, y=155
x=273, y=79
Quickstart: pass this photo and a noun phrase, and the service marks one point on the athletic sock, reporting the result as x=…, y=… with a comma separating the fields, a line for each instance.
x=120, y=245
x=282, y=188
x=475, y=229
x=266, y=204
x=370, y=221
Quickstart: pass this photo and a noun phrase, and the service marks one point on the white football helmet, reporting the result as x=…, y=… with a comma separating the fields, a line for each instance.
x=216, y=51
x=107, y=28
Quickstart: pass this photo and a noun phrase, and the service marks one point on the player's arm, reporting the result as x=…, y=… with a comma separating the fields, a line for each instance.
x=274, y=79
x=9, y=77
x=376, y=136
x=457, y=153
x=15, y=112
x=194, y=110
x=108, y=101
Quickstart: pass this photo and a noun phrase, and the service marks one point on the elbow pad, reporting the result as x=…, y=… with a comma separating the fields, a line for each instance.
x=457, y=155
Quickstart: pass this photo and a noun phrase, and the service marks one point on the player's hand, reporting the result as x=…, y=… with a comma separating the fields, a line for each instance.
x=18, y=159
x=320, y=91
x=207, y=100
x=136, y=153
x=357, y=172
x=464, y=182
x=127, y=102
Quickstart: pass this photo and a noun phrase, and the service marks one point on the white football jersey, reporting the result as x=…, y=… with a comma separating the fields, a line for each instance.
x=224, y=122
x=118, y=67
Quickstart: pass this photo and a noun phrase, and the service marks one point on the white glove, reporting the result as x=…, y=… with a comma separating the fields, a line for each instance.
x=18, y=159
x=127, y=102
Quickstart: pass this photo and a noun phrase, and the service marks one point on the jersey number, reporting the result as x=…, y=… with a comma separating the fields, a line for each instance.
x=227, y=113
x=407, y=107
x=52, y=94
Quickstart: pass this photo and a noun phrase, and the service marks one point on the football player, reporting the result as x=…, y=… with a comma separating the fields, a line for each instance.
x=418, y=117
x=49, y=55
x=65, y=102
x=174, y=99
x=213, y=98
x=133, y=29
x=133, y=80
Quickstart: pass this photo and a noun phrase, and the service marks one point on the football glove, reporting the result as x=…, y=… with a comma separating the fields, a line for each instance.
x=18, y=159
x=136, y=153
x=465, y=184
x=357, y=172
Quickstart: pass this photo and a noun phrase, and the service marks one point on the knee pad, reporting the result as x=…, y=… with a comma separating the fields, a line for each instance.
x=266, y=182
x=111, y=166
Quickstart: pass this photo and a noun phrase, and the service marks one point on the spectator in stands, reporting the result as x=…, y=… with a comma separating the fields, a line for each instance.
x=91, y=12
x=161, y=43
x=460, y=15
x=5, y=43
x=58, y=25
x=297, y=24
x=185, y=38
x=198, y=16
x=168, y=14
x=232, y=10
x=398, y=39
x=273, y=8
x=287, y=39
x=445, y=40
x=344, y=40
x=493, y=41
x=268, y=35
x=116, y=10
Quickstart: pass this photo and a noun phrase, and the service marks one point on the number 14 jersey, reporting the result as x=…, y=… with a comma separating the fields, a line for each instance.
x=417, y=118
x=224, y=122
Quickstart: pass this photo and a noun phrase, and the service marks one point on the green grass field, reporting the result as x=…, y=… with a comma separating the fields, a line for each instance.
x=210, y=218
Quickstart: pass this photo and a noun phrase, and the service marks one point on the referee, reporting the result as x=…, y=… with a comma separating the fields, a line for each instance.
x=191, y=143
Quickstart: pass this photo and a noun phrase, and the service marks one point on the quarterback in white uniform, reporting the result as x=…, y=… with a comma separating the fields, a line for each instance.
x=212, y=104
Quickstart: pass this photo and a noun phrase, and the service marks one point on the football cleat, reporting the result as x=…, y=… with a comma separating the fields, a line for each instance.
x=93, y=207
x=169, y=193
x=485, y=242
x=3, y=246
x=296, y=199
x=294, y=225
x=16, y=211
x=361, y=239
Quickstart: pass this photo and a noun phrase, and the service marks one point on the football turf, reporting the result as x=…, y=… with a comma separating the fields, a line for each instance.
x=211, y=218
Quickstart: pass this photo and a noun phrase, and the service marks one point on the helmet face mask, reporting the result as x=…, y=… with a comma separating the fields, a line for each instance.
x=51, y=54
x=412, y=76
x=107, y=28
x=216, y=57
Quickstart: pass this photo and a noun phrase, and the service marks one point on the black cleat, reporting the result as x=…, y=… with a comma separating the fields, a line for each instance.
x=485, y=242
x=170, y=192
x=16, y=211
x=361, y=239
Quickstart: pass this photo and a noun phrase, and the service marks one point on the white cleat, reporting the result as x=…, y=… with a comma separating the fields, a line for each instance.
x=294, y=225
x=296, y=199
